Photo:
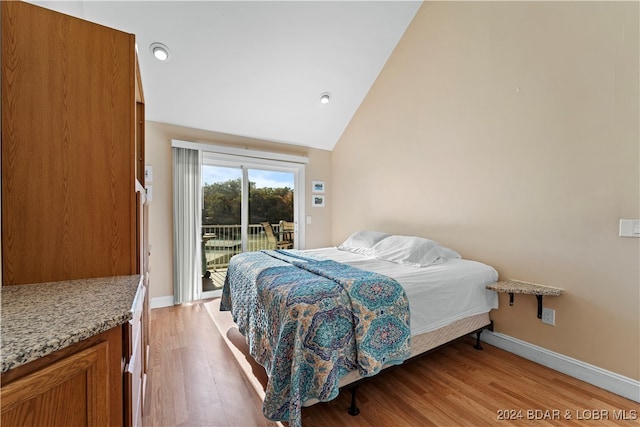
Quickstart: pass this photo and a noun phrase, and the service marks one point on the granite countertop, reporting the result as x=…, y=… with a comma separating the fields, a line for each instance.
x=39, y=319
x=520, y=287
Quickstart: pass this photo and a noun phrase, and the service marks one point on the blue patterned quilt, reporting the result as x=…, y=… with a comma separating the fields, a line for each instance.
x=310, y=321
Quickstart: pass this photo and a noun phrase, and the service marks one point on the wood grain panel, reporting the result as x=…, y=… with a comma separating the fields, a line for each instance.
x=140, y=138
x=114, y=338
x=68, y=197
x=192, y=382
x=193, y=379
x=73, y=392
x=52, y=406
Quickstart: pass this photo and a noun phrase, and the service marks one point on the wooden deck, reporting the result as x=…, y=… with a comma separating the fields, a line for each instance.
x=215, y=281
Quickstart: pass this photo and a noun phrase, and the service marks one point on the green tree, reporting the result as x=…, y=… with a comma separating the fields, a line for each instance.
x=270, y=204
x=222, y=203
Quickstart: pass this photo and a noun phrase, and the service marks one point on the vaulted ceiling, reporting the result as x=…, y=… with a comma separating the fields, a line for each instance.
x=257, y=68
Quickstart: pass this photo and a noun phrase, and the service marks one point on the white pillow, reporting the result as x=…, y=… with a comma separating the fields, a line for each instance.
x=410, y=250
x=361, y=242
x=450, y=253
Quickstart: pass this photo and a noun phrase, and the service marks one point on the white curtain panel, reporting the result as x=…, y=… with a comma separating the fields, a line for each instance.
x=187, y=275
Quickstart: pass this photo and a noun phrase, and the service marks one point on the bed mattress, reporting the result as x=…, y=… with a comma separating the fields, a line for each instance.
x=439, y=294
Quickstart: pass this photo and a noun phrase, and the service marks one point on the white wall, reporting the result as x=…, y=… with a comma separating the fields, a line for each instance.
x=509, y=131
x=158, y=154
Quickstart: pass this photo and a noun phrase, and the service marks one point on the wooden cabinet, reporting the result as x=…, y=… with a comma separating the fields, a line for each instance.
x=73, y=200
x=78, y=386
x=72, y=148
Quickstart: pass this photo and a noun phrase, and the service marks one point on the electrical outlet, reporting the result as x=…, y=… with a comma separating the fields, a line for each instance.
x=549, y=316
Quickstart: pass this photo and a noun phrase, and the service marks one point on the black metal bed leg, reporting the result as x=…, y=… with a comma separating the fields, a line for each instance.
x=353, y=409
x=478, y=346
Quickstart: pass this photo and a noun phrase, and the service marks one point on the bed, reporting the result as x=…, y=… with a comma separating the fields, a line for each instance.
x=319, y=320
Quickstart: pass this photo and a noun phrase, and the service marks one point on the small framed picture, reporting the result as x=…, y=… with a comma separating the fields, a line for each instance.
x=317, y=200
x=317, y=186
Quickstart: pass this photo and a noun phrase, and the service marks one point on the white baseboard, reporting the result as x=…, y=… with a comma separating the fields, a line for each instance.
x=591, y=374
x=159, y=302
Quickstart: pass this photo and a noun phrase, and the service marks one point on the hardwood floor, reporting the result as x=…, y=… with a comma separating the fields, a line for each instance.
x=195, y=381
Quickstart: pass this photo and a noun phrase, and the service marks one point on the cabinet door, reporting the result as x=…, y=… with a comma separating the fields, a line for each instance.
x=72, y=392
x=68, y=109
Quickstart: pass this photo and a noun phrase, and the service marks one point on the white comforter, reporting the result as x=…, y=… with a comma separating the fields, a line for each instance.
x=438, y=294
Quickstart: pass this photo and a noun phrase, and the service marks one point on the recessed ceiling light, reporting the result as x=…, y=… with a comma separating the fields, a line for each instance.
x=325, y=97
x=160, y=51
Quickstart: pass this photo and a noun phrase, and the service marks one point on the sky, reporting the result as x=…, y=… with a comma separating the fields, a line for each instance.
x=262, y=178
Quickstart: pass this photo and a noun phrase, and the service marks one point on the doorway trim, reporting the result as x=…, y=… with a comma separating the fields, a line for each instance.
x=242, y=152
x=244, y=163
x=256, y=159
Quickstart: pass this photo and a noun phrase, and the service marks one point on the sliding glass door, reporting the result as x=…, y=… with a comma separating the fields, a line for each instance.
x=270, y=207
x=221, y=222
x=248, y=205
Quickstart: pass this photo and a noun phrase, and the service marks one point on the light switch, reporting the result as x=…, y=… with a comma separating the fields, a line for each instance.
x=308, y=219
x=148, y=173
x=630, y=228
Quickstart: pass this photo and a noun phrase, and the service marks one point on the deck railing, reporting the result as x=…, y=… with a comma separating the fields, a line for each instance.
x=221, y=242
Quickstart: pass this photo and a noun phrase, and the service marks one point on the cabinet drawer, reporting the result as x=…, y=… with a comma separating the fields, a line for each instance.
x=133, y=380
x=136, y=326
x=133, y=329
x=135, y=362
